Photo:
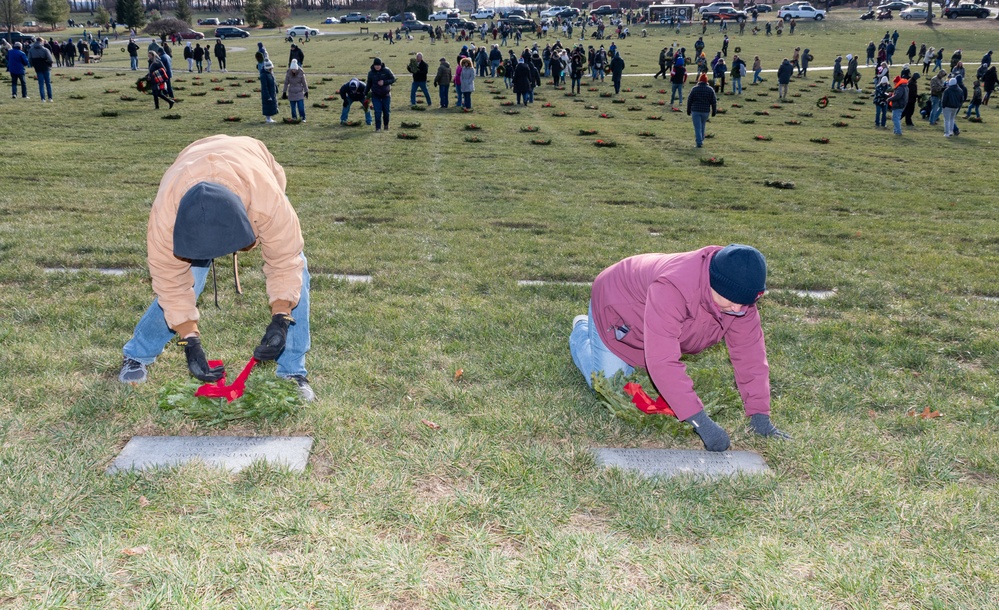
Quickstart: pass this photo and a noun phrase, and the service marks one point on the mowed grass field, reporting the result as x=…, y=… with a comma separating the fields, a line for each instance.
x=503, y=505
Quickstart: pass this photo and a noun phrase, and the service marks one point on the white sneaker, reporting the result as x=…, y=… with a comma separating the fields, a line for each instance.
x=578, y=319
x=270, y=120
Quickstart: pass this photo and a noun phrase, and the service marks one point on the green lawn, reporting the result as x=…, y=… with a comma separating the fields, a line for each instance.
x=503, y=506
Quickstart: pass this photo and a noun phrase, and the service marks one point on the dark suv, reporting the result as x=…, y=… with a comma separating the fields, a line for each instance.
x=461, y=24
x=230, y=32
x=605, y=10
x=414, y=25
x=12, y=37
x=966, y=9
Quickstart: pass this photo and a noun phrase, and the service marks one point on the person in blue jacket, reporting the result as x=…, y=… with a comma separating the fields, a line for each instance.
x=17, y=63
x=379, y=85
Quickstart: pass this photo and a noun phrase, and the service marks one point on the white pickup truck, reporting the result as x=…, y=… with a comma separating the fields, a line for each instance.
x=801, y=11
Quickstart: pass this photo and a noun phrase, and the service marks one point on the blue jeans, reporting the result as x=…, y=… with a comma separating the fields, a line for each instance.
x=442, y=91
x=880, y=115
x=936, y=108
x=700, y=124
x=896, y=120
x=44, y=84
x=677, y=92
x=492, y=67
x=590, y=354
x=382, y=110
x=466, y=99
x=737, y=85
x=421, y=86
x=298, y=105
x=346, y=112
x=135, y=62
x=13, y=85
x=973, y=107
x=756, y=76
x=152, y=333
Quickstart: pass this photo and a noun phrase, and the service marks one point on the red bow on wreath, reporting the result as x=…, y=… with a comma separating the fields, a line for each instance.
x=644, y=403
x=220, y=390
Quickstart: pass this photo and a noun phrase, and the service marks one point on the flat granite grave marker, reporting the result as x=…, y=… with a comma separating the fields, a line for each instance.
x=233, y=453
x=669, y=463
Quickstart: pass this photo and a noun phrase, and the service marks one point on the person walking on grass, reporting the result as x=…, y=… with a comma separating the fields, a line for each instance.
x=419, y=69
x=296, y=90
x=651, y=309
x=467, y=84
x=677, y=77
x=897, y=101
x=379, y=87
x=702, y=103
x=881, y=94
x=911, y=98
x=617, y=70
x=189, y=56
x=221, y=196
x=156, y=80
x=41, y=60
x=784, y=73
x=976, y=101
x=443, y=81
x=951, y=100
x=17, y=64
x=220, y=54
x=268, y=90
x=199, y=57
x=133, y=54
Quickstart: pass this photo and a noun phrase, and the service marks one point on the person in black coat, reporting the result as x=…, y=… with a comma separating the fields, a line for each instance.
x=522, y=81
x=379, y=85
x=296, y=53
x=910, y=103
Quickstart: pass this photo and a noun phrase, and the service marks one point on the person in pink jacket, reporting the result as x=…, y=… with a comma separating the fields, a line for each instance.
x=222, y=195
x=649, y=310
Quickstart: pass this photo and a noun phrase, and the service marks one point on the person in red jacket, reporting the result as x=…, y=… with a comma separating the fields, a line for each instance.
x=649, y=310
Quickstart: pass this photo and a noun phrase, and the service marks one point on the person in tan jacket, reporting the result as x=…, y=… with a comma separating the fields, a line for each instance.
x=222, y=195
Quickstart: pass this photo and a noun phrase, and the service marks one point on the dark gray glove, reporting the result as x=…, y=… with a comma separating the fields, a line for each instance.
x=275, y=336
x=714, y=436
x=761, y=424
x=196, y=361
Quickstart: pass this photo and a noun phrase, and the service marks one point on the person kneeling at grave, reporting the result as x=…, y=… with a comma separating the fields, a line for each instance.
x=649, y=310
x=221, y=196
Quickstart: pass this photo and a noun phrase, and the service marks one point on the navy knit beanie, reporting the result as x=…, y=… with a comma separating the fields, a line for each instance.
x=211, y=222
x=738, y=273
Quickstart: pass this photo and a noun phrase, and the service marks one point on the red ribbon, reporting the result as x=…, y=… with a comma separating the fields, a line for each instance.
x=220, y=390
x=644, y=403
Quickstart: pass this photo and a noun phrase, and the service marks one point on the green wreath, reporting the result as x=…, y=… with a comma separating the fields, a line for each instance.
x=823, y=102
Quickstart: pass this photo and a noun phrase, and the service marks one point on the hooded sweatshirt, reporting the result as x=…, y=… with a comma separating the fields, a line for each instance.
x=244, y=166
x=664, y=303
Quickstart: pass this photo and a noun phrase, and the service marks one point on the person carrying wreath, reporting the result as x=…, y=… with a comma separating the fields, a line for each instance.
x=649, y=310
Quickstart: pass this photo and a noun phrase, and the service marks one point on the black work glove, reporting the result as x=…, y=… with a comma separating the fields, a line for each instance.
x=284, y=95
x=272, y=344
x=196, y=361
x=306, y=95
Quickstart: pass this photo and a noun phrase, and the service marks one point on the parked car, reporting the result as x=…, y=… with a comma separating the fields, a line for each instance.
x=715, y=5
x=230, y=32
x=483, y=13
x=29, y=24
x=510, y=12
x=568, y=13
x=966, y=9
x=519, y=22
x=209, y=21
x=415, y=25
x=302, y=30
x=331, y=20
x=403, y=17
x=760, y=8
x=915, y=12
x=606, y=10
x=443, y=15
x=354, y=18
x=382, y=17
x=801, y=12
x=234, y=21
x=553, y=11
x=13, y=37
x=724, y=13
x=190, y=34
x=461, y=24
x=897, y=5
